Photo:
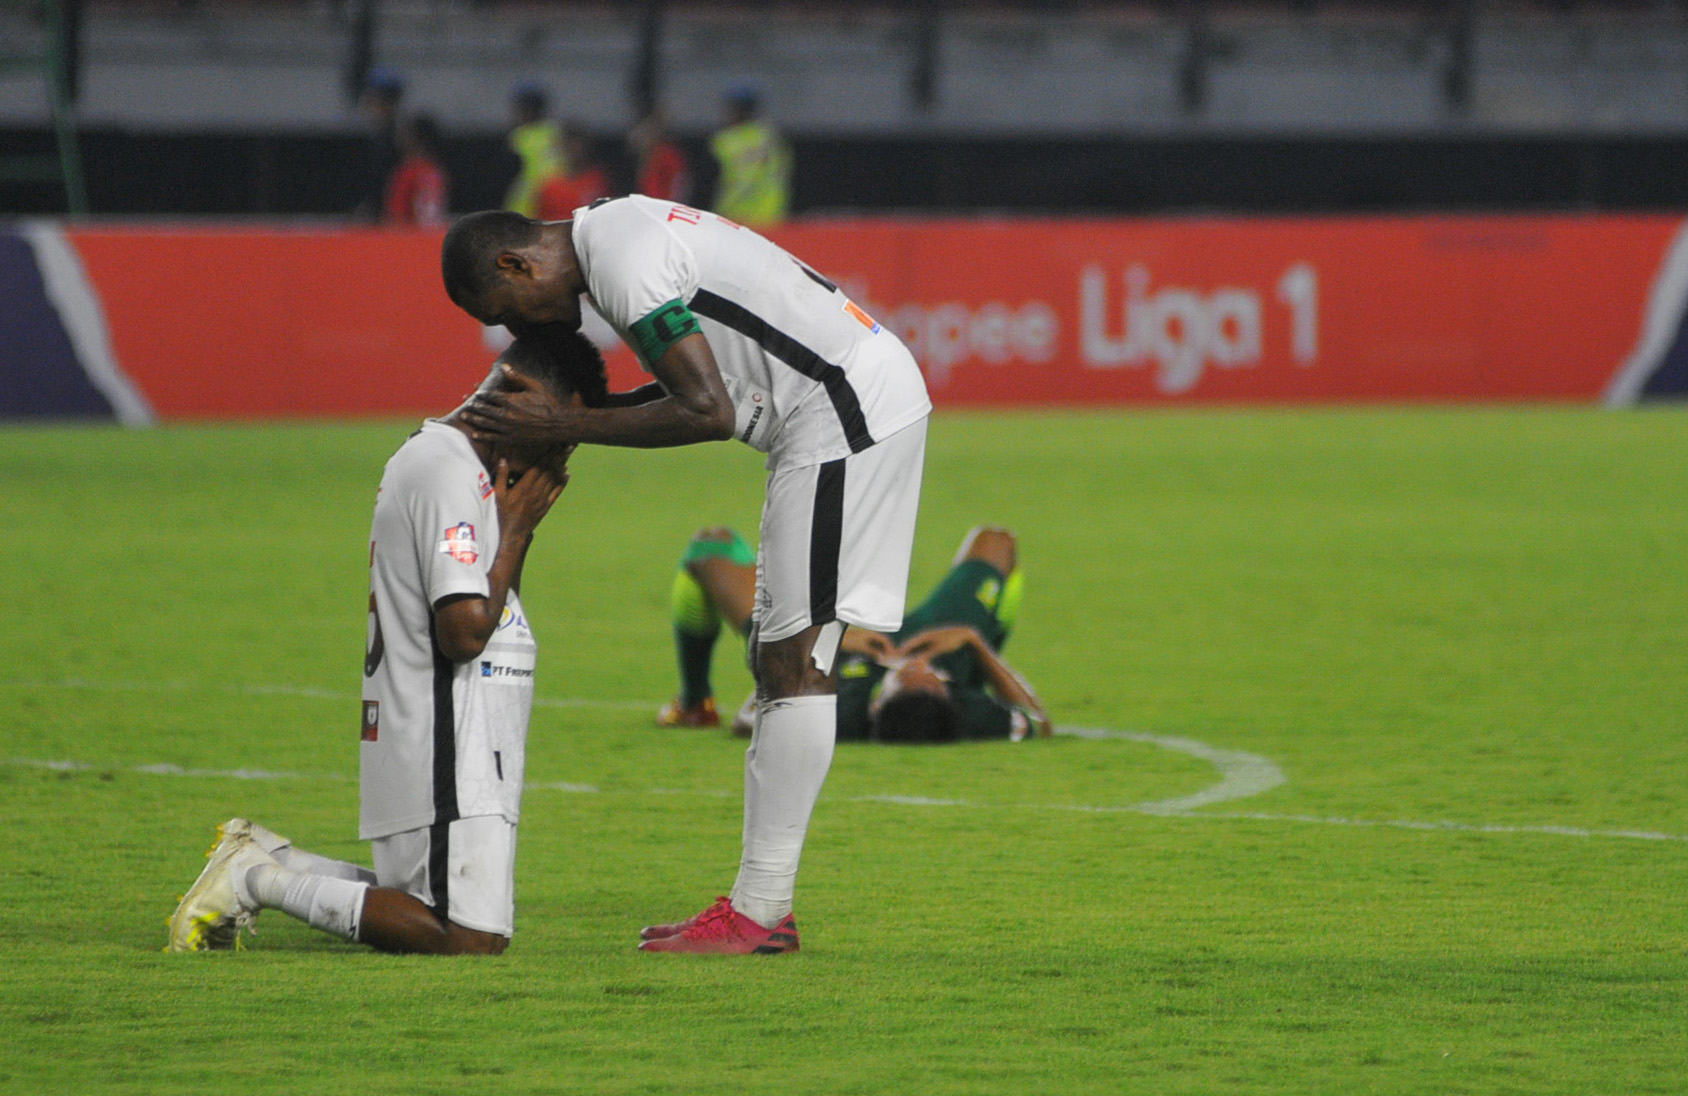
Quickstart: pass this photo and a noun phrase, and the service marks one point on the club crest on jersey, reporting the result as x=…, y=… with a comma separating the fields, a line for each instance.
x=483, y=485
x=459, y=543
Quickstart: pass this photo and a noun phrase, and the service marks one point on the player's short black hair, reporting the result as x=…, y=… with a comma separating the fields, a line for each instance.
x=916, y=716
x=469, y=256
x=562, y=359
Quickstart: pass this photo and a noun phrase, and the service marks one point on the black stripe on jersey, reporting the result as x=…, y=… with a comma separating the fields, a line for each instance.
x=445, y=779
x=445, y=733
x=796, y=355
x=826, y=535
x=439, y=869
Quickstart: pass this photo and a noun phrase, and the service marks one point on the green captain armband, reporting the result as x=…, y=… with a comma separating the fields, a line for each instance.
x=653, y=335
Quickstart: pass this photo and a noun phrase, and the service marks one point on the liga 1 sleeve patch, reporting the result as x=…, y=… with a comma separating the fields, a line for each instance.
x=667, y=325
x=459, y=543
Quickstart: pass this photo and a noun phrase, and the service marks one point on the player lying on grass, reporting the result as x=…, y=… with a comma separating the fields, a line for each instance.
x=939, y=678
x=448, y=688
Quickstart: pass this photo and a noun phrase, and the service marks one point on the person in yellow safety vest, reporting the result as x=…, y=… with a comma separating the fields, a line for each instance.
x=754, y=186
x=538, y=142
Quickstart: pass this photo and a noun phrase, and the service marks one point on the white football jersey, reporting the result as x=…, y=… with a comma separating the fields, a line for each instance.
x=441, y=740
x=812, y=377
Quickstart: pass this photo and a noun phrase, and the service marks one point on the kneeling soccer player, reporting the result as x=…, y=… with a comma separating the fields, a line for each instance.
x=938, y=678
x=448, y=688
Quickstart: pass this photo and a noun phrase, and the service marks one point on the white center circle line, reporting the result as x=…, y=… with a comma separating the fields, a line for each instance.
x=1242, y=775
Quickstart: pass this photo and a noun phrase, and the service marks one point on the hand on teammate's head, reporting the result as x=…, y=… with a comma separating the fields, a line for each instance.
x=518, y=413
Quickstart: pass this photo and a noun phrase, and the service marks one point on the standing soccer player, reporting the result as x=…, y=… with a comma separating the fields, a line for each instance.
x=448, y=688
x=744, y=341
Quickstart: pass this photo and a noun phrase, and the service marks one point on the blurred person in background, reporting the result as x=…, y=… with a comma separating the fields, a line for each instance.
x=382, y=98
x=584, y=183
x=754, y=163
x=538, y=144
x=939, y=678
x=660, y=169
x=418, y=192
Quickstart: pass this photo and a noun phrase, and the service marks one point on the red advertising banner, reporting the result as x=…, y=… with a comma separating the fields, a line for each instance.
x=276, y=322
x=252, y=323
x=1435, y=308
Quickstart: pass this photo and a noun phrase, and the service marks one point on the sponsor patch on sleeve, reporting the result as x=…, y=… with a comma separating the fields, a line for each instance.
x=861, y=317
x=459, y=543
x=483, y=485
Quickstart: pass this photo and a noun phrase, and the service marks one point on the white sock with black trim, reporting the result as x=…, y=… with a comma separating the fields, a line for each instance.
x=323, y=902
x=790, y=753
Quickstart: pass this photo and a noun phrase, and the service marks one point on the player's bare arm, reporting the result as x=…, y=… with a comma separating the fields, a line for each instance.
x=1005, y=681
x=869, y=644
x=464, y=625
x=635, y=397
x=693, y=406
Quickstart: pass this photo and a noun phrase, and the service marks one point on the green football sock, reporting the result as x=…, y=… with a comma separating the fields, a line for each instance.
x=696, y=626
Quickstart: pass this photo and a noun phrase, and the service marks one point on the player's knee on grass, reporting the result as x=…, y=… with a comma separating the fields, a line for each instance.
x=466, y=941
x=400, y=923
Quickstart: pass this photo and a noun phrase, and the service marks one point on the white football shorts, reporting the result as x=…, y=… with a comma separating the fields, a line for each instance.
x=465, y=870
x=836, y=539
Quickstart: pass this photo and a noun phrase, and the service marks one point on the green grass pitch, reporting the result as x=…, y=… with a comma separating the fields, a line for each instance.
x=1458, y=635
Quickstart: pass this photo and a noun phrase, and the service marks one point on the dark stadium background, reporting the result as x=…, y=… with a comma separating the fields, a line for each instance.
x=1457, y=160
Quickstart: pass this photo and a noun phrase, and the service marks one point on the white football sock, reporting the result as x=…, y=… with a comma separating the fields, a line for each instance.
x=323, y=902
x=790, y=753
x=297, y=859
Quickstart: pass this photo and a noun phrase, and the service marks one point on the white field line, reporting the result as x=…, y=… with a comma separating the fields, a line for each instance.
x=1453, y=827
x=172, y=770
x=1242, y=775
x=303, y=691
